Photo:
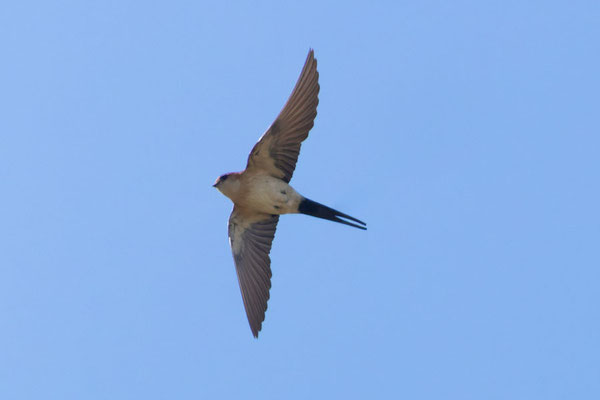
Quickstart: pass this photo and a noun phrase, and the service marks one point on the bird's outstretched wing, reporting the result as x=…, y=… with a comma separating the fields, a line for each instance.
x=277, y=150
x=250, y=236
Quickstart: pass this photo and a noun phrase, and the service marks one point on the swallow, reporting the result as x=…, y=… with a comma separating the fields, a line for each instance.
x=261, y=193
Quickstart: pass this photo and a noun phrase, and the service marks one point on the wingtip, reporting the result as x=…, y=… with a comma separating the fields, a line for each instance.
x=256, y=328
x=255, y=332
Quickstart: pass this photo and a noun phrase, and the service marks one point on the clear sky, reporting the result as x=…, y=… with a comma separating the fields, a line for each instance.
x=465, y=133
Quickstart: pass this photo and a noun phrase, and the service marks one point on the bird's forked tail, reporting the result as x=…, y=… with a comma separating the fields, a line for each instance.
x=318, y=210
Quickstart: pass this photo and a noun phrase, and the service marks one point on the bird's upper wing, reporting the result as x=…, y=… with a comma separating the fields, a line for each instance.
x=276, y=152
x=250, y=236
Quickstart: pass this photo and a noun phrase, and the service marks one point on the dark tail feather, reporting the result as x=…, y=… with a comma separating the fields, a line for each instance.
x=318, y=210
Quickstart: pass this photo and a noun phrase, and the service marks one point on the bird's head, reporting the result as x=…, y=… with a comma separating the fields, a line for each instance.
x=220, y=180
x=228, y=184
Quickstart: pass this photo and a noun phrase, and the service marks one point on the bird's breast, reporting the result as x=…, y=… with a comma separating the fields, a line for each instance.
x=269, y=195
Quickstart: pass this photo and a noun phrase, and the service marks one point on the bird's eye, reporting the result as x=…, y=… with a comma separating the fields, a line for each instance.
x=223, y=177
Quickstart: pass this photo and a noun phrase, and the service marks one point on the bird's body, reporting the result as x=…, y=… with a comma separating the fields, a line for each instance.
x=261, y=193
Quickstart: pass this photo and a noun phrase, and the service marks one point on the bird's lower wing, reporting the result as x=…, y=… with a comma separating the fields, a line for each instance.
x=251, y=236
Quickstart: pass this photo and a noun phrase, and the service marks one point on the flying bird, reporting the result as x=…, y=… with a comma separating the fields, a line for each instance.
x=261, y=193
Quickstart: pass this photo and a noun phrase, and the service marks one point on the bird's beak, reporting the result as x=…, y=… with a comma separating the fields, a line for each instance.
x=215, y=185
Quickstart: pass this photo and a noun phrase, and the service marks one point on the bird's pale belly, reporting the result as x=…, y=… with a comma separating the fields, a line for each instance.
x=271, y=196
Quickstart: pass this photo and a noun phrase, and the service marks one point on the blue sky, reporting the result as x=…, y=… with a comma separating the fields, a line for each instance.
x=466, y=133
